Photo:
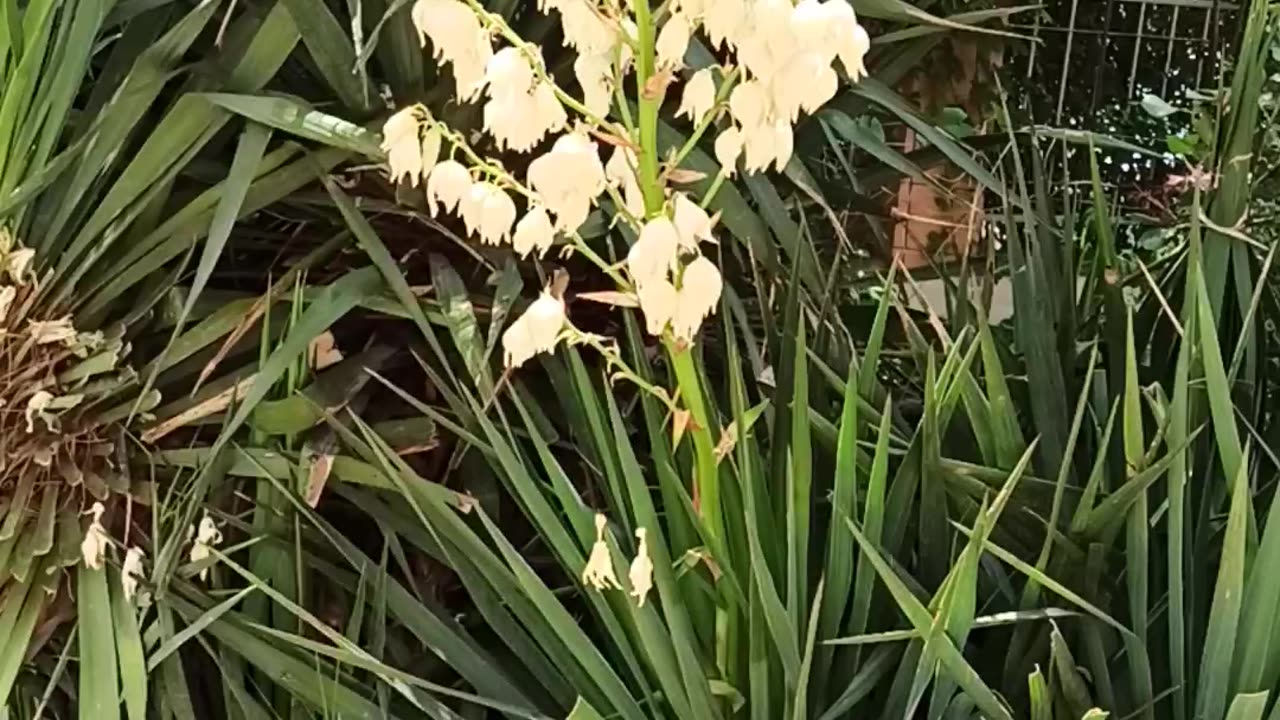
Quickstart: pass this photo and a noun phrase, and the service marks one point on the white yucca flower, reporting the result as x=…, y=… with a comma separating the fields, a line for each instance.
x=853, y=54
x=767, y=144
x=95, y=542
x=673, y=41
x=585, y=28
x=447, y=185
x=724, y=20
x=520, y=121
x=595, y=74
x=654, y=252
x=727, y=148
x=403, y=146
x=692, y=222
x=568, y=178
x=749, y=103
x=534, y=233
x=598, y=572
x=641, y=572
x=536, y=331
x=699, y=293
x=458, y=38
x=509, y=72
x=131, y=571
x=657, y=300
x=699, y=95
x=488, y=212
x=620, y=171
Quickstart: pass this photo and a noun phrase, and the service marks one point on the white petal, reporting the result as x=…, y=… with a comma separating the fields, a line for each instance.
x=699, y=293
x=673, y=41
x=699, y=95
x=748, y=103
x=497, y=213
x=447, y=184
x=658, y=303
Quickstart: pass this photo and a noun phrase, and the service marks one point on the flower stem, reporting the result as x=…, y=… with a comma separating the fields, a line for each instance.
x=649, y=101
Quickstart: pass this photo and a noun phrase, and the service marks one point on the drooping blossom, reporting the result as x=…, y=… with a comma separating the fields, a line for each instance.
x=536, y=331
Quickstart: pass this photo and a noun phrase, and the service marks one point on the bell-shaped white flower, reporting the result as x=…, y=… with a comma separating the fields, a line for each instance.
x=585, y=28
x=654, y=252
x=568, y=179
x=641, y=572
x=853, y=53
x=536, y=331
x=727, y=148
x=673, y=41
x=402, y=145
x=692, y=222
x=534, y=233
x=699, y=95
x=724, y=20
x=457, y=37
x=768, y=144
x=508, y=72
x=595, y=75
x=749, y=103
x=598, y=572
x=497, y=214
x=131, y=572
x=447, y=185
x=657, y=300
x=95, y=542
x=699, y=293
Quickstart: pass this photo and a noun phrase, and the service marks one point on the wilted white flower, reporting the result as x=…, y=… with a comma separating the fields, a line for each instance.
x=568, y=179
x=534, y=232
x=404, y=148
x=699, y=95
x=45, y=332
x=692, y=222
x=641, y=572
x=673, y=41
x=699, y=293
x=207, y=537
x=7, y=295
x=18, y=264
x=447, y=184
x=131, y=571
x=728, y=148
x=37, y=404
x=598, y=572
x=536, y=331
x=654, y=251
x=95, y=542
x=658, y=303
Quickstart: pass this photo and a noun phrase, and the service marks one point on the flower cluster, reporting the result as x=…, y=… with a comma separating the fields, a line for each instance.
x=781, y=60
x=671, y=292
